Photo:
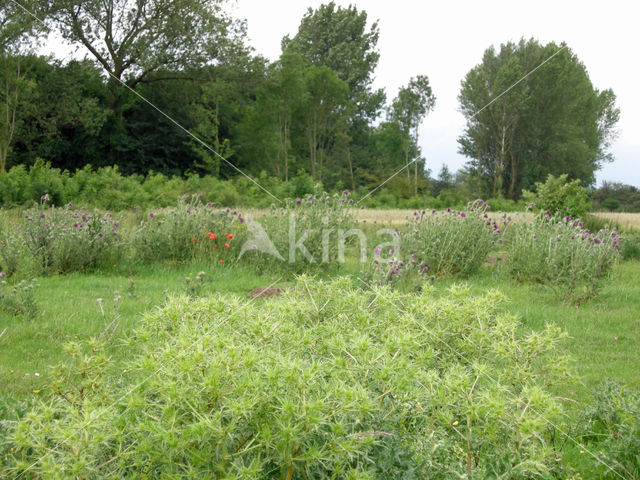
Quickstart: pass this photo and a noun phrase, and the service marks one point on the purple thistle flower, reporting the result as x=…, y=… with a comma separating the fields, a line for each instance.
x=298, y=201
x=70, y=204
x=42, y=215
x=425, y=269
x=241, y=220
x=462, y=214
x=378, y=251
x=362, y=208
x=616, y=243
x=311, y=198
x=350, y=201
x=345, y=193
x=101, y=234
x=75, y=225
x=394, y=271
x=151, y=215
x=448, y=209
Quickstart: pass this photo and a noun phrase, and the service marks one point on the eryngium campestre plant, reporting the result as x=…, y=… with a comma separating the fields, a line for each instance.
x=557, y=250
x=328, y=381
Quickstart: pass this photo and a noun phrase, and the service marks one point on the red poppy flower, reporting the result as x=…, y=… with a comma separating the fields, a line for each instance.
x=230, y=236
x=226, y=245
x=221, y=261
x=215, y=246
x=212, y=236
x=194, y=239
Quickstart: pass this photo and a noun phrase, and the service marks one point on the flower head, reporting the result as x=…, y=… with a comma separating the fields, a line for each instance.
x=194, y=239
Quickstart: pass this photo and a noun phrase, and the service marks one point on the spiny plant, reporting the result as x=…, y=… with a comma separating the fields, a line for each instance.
x=326, y=381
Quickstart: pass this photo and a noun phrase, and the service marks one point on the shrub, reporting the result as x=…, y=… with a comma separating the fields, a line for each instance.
x=560, y=252
x=452, y=242
x=630, y=246
x=18, y=299
x=61, y=240
x=191, y=230
x=315, y=221
x=559, y=195
x=612, y=425
x=326, y=381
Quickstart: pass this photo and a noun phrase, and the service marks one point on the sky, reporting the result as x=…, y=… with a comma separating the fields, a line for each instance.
x=444, y=40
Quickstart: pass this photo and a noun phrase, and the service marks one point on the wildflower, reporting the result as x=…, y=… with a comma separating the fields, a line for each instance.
x=215, y=246
x=209, y=204
x=194, y=239
x=42, y=215
x=36, y=391
x=221, y=261
x=350, y=201
x=241, y=220
x=151, y=215
x=70, y=204
x=45, y=198
x=345, y=193
x=362, y=207
x=2, y=274
x=212, y=236
x=101, y=234
x=298, y=201
x=394, y=271
x=226, y=245
x=425, y=269
x=378, y=251
x=448, y=210
x=616, y=244
x=229, y=236
x=462, y=214
x=533, y=236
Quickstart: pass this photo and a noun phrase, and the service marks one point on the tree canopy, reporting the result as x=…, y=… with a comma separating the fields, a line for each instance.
x=519, y=130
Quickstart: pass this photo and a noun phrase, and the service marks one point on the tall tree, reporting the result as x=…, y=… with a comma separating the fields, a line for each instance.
x=325, y=110
x=552, y=121
x=408, y=109
x=134, y=40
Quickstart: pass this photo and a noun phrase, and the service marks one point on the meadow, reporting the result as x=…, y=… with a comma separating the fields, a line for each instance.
x=159, y=326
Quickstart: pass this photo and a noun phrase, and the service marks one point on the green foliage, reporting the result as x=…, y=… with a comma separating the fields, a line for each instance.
x=611, y=424
x=327, y=381
x=195, y=285
x=18, y=299
x=190, y=231
x=615, y=196
x=630, y=246
x=560, y=252
x=303, y=234
x=61, y=240
x=452, y=242
x=557, y=194
x=517, y=139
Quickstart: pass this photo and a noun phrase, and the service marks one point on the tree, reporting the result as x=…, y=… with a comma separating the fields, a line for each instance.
x=409, y=109
x=338, y=38
x=17, y=30
x=325, y=110
x=134, y=40
x=522, y=128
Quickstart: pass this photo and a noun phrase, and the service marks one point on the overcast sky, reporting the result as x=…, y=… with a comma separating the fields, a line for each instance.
x=444, y=40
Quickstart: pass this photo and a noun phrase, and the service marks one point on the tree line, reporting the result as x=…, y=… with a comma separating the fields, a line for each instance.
x=313, y=111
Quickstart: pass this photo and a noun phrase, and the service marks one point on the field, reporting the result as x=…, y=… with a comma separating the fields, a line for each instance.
x=115, y=301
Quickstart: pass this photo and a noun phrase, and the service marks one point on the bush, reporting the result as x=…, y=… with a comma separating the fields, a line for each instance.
x=451, y=242
x=191, y=230
x=67, y=239
x=630, y=246
x=560, y=252
x=326, y=381
x=18, y=299
x=314, y=221
x=612, y=426
x=559, y=195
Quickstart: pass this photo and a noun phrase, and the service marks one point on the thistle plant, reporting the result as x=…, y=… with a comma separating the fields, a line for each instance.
x=18, y=299
x=453, y=242
x=558, y=251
